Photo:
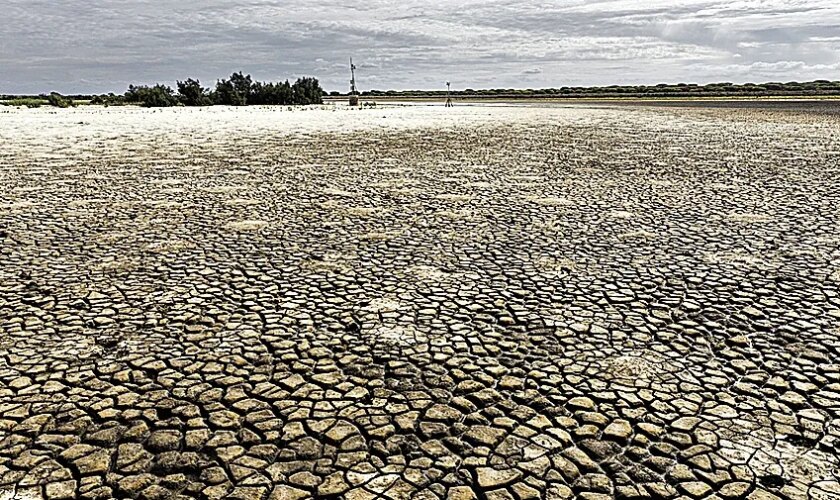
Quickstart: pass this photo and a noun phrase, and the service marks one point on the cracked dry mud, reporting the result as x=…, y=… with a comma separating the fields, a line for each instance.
x=481, y=302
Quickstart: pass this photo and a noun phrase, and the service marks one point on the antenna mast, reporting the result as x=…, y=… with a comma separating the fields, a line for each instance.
x=354, y=94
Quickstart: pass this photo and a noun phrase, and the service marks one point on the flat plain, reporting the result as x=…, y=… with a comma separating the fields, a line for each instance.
x=486, y=302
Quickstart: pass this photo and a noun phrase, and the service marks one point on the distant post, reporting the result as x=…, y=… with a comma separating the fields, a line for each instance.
x=354, y=95
x=448, y=98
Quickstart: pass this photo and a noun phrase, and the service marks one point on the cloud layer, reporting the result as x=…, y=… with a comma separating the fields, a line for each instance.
x=103, y=45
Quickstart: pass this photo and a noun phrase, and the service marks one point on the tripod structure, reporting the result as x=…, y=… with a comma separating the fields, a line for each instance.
x=448, y=98
x=354, y=94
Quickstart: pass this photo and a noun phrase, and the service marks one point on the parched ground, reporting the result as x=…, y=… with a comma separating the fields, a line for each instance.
x=483, y=302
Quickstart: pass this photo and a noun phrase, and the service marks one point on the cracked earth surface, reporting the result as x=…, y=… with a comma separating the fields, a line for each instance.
x=401, y=303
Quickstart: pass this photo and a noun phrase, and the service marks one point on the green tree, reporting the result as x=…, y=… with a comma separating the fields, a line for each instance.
x=159, y=96
x=307, y=90
x=191, y=93
x=270, y=93
x=234, y=91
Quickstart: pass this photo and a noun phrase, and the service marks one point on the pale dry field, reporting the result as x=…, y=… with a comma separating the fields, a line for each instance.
x=486, y=302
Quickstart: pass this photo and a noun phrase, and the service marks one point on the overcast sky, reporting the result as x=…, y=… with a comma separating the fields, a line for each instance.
x=103, y=45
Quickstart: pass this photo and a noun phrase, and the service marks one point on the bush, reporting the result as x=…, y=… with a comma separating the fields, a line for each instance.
x=107, y=99
x=59, y=101
x=159, y=96
x=29, y=102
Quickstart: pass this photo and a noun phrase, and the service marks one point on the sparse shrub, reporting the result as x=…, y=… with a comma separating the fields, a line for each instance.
x=29, y=102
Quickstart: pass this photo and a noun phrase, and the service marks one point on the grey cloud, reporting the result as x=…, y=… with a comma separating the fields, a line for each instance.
x=102, y=45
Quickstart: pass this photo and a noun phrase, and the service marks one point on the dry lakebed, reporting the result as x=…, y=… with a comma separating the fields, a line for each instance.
x=491, y=302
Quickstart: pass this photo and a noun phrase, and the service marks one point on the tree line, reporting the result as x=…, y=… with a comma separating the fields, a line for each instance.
x=238, y=90
x=723, y=89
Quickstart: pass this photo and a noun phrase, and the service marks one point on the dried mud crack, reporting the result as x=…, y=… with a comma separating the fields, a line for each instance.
x=491, y=303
